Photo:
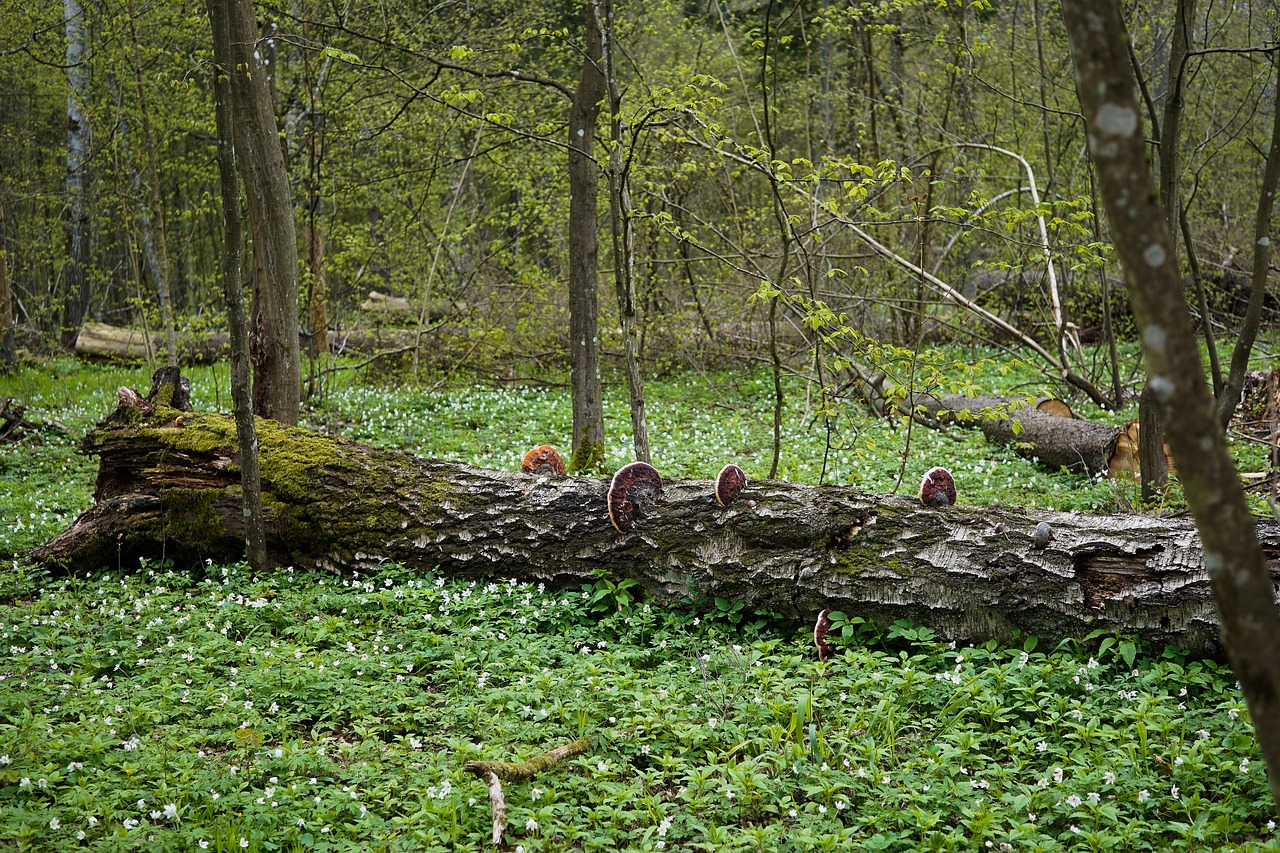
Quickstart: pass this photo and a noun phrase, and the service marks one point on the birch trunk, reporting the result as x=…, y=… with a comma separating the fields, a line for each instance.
x=75, y=269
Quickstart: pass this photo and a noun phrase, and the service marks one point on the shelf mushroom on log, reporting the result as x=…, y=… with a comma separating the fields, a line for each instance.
x=937, y=488
x=332, y=504
x=543, y=459
x=729, y=484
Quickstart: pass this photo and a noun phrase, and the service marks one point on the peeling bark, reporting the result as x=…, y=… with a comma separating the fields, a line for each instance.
x=173, y=490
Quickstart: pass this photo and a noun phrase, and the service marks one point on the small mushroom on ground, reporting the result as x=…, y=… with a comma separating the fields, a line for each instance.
x=1043, y=535
x=543, y=459
x=820, y=630
x=729, y=484
x=633, y=489
x=938, y=488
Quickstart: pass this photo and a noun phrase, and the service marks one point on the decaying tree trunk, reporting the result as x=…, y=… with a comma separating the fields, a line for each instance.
x=115, y=343
x=1048, y=432
x=170, y=486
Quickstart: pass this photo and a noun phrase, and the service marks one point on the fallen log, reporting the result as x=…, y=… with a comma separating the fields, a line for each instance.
x=104, y=342
x=168, y=485
x=1047, y=432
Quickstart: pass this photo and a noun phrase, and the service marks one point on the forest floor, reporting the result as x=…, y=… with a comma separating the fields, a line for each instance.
x=148, y=709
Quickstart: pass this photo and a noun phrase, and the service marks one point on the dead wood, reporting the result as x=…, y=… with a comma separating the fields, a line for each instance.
x=16, y=427
x=169, y=486
x=1047, y=432
x=103, y=342
x=494, y=773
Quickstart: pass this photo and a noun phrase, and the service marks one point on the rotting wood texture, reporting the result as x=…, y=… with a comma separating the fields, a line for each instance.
x=170, y=488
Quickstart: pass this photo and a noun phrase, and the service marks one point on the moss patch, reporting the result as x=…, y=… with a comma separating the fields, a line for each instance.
x=191, y=519
x=587, y=456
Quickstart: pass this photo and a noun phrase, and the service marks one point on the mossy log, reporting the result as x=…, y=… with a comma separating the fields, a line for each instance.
x=168, y=486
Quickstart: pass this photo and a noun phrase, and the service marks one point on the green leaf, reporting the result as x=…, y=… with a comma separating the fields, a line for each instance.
x=1128, y=651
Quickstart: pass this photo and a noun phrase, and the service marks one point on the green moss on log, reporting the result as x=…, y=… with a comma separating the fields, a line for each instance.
x=191, y=518
x=587, y=456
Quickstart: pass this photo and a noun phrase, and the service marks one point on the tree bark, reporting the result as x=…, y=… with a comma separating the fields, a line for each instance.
x=75, y=268
x=1237, y=552
x=255, y=539
x=8, y=354
x=584, y=311
x=173, y=488
x=1153, y=469
x=277, y=364
x=115, y=343
x=155, y=243
x=621, y=218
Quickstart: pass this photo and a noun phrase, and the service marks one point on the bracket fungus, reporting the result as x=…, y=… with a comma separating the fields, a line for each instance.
x=543, y=459
x=938, y=488
x=820, y=630
x=633, y=489
x=729, y=484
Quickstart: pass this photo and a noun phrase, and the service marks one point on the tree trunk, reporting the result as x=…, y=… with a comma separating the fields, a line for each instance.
x=173, y=488
x=277, y=365
x=155, y=243
x=1170, y=130
x=8, y=354
x=75, y=268
x=1153, y=469
x=253, y=519
x=584, y=312
x=114, y=343
x=1229, y=398
x=623, y=229
x=1237, y=552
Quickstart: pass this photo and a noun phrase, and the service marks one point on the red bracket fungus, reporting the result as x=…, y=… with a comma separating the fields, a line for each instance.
x=937, y=488
x=633, y=489
x=543, y=459
x=820, y=630
x=729, y=484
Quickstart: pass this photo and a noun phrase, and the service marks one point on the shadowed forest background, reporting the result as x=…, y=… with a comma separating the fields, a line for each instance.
x=760, y=143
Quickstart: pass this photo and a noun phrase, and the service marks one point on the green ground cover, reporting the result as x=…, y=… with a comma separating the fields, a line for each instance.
x=147, y=709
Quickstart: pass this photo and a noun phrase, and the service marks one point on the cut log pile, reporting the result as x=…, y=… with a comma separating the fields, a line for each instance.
x=168, y=486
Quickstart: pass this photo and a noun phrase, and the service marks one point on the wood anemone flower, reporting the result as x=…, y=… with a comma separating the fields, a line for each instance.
x=820, y=630
x=633, y=489
x=729, y=484
x=938, y=488
x=543, y=459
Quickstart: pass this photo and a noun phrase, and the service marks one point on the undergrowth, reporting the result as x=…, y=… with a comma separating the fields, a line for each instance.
x=155, y=710
x=149, y=709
